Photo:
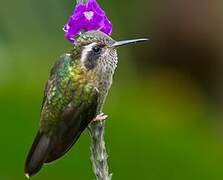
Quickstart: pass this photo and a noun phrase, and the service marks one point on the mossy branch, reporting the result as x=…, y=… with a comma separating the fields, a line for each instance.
x=98, y=151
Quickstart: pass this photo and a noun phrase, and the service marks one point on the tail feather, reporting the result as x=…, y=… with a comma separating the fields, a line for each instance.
x=37, y=154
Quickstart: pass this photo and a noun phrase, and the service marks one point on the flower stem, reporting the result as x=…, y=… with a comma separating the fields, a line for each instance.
x=82, y=1
x=98, y=151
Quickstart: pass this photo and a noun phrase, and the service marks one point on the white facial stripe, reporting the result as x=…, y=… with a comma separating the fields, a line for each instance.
x=86, y=50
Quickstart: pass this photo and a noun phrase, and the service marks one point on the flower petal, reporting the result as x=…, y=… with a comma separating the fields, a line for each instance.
x=93, y=5
x=79, y=8
x=87, y=16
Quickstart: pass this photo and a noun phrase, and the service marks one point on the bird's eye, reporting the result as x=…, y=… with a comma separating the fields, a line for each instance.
x=97, y=49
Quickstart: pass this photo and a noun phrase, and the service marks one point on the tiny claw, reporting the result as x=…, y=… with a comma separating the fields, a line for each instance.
x=100, y=117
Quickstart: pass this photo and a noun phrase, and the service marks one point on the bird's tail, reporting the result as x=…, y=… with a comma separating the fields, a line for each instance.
x=37, y=154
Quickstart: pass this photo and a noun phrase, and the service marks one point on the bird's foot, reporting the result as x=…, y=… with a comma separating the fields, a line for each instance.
x=100, y=117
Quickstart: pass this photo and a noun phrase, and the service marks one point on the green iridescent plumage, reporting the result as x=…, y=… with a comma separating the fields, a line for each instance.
x=74, y=94
x=68, y=84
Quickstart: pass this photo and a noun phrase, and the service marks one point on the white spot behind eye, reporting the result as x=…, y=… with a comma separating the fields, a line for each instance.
x=85, y=51
x=89, y=15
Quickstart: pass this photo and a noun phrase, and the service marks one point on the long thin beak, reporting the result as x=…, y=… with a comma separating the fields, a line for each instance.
x=126, y=42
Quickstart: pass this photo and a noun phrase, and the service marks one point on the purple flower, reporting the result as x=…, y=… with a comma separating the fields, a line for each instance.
x=87, y=16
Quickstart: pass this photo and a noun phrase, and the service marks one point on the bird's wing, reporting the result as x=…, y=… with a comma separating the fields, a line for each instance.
x=73, y=122
x=71, y=119
x=53, y=75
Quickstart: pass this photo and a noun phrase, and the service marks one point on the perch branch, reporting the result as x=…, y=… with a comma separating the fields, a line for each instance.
x=98, y=151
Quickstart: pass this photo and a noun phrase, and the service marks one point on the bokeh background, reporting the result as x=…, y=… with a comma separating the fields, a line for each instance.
x=166, y=102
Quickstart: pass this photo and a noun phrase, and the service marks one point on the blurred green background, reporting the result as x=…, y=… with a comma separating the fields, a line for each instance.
x=165, y=106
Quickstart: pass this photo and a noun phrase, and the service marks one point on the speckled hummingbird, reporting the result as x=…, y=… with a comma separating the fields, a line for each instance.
x=74, y=95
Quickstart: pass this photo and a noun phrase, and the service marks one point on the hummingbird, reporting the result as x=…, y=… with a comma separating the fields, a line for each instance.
x=74, y=96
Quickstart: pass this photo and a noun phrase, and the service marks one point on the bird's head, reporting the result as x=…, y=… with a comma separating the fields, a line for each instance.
x=96, y=48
